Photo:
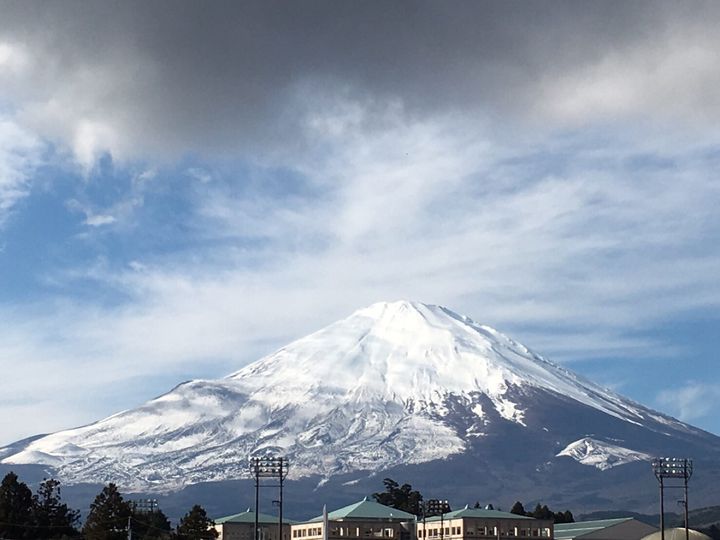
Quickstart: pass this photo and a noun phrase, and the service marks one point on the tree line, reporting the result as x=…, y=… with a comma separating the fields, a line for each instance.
x=543, y=512
x=405, y=498
x=43, y=515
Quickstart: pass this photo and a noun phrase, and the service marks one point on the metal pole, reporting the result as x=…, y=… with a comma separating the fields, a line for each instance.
x=424, y=511
x=257, y=502
x=662, y=511
x=129, y=528
x=442, y=521
x=280, y=522
x=687, y=529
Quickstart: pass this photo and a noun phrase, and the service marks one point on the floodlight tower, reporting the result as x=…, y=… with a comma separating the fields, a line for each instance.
x=673, y=468
x=435, y=507
x=272, y=467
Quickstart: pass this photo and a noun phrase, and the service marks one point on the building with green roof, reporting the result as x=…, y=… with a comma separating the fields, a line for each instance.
x=479, y=523
x=241, y=526
x=367, y=509
x=604, y=529
x=363, y=520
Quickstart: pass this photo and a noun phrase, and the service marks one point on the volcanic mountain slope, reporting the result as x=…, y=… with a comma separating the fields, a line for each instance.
x=397, y=384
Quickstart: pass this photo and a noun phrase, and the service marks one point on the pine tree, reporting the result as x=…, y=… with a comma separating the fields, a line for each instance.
x=108, y=517
x=542, y=512
x=196, y=525
x=403, y=497
x=564, y=517
x=151, y=525
x=16, y=504
x=518, y=509
x=52, y=518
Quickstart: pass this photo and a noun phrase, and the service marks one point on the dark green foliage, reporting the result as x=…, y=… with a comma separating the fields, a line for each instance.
x=564, y=517
x=51, y=517
x=41, y=516
x=16, y=508
x=518, y=509
x=196, y=525
x=401, y=497
x=543, y=512
x=108, y=517
x=151, y=525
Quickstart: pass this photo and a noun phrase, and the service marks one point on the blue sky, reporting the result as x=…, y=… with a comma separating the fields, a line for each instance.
x=181, y=193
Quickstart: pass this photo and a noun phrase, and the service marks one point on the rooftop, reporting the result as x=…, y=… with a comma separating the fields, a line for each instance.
x=481, y=513
x=566, y=531
x=366, y=509
x=249, y=517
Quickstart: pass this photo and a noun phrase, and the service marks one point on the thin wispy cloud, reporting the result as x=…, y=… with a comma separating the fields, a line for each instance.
x=20, y=154
x=692, y=400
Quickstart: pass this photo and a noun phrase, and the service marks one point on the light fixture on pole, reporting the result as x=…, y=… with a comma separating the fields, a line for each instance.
x=673, y=469
x=437, y=507
x=268, y=467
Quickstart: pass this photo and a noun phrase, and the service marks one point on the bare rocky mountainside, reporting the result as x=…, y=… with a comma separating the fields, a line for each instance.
x=407, y=390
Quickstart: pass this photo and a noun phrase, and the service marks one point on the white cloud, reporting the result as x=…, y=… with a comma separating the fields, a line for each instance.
x=90, y=140
x=13, y=58
x=439, y=211
x=20, y=154
x=667, y=81
x=691, y=401
x=199, y=174
x=99, y=220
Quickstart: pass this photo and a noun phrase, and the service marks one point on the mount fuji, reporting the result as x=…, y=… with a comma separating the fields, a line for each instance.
x=402, y=388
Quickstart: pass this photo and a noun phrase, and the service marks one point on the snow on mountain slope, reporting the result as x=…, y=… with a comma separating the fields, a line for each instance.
x=601, y=454
x=366, y=393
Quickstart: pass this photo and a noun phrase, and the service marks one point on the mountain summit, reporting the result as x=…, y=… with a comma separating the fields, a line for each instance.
x=395, y=384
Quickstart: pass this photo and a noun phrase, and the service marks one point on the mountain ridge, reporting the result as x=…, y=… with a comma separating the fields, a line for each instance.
x=393, y=385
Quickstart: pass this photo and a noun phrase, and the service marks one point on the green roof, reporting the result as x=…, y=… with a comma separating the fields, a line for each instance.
x=567, y=531
x=477, y=513
x=249, y=517
x=366, y=509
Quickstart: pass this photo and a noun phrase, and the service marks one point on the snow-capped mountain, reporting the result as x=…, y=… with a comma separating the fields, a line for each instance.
x=393, y=385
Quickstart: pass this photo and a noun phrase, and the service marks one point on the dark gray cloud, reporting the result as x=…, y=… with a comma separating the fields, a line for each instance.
x=228, y=76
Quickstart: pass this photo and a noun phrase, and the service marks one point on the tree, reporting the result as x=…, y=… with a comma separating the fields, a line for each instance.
x=16, y=505
x=518, y=509
x=564, y=517
x=52, y=518
x=403, y=497
x=196, y=525
x=108, y=517
x=542, y=512
x=151, y=525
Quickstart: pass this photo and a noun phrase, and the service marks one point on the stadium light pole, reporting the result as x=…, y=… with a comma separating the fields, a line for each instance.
x=272, y=467
x=435, y=507
x=673, y=468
